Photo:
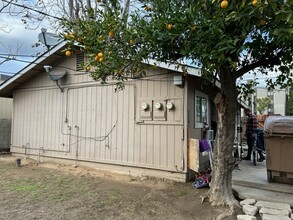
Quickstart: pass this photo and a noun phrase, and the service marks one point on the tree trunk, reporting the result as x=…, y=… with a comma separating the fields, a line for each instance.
x=221, y=185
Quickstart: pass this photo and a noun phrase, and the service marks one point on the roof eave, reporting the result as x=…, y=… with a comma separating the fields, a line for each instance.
x=175, y=67
x=7, y=87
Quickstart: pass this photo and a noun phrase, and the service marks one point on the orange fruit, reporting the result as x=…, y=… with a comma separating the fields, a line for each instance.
x=224, y=4
x=87, y=68
x=97, y=58
x=148, y=8
x=169, y=26
x=69, y=36
x=101, y=59
x=254, y=2
x=262, y=22
x=68, y=53
x=100, y=55
x=101, y=37
x=111, y=34
x=131, y=42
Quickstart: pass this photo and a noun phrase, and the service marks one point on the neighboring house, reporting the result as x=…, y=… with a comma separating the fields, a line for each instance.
x=141, y=130
x=5, y=119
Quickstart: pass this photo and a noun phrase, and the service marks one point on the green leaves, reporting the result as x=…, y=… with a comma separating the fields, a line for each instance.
x=236, y=40
x=262, y=104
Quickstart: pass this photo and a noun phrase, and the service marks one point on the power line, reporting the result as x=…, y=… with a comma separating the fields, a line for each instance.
x=18, y=55
x=26, y=61
x=145, y=78
x=8, y=12
x=29, y=8
x=14, y=59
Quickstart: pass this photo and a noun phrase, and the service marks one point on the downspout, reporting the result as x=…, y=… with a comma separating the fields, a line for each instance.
x=185, y=126
x=76, y=151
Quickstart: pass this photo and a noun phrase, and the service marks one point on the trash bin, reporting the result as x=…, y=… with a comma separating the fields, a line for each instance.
x=279, y=148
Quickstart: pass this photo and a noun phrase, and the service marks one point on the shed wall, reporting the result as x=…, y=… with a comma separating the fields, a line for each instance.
x=92, y=122
x=195, y=130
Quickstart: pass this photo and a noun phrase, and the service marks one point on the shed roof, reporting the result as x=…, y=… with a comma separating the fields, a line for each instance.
x=7, y=87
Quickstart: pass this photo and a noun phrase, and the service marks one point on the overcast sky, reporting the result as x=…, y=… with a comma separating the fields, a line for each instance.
x=19, y=41
x=15, y=39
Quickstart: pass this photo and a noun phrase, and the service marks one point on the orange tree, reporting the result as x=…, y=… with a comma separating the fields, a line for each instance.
x=226, y=39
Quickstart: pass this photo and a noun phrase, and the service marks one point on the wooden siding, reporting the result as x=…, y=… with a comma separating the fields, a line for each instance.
x=92, y=122
x=195, y=89
x=5, y=108
x=192, y=131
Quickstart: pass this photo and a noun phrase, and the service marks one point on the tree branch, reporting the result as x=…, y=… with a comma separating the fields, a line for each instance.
x=4, y=6
x=265, y=61
x=29, y=8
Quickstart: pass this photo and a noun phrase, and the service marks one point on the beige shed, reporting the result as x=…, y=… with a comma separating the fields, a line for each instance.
x=142, y=130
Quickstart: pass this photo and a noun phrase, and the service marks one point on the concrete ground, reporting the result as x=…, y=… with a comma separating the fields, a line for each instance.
x=250, y=181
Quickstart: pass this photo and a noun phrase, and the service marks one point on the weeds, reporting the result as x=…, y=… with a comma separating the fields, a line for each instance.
x=24, y=185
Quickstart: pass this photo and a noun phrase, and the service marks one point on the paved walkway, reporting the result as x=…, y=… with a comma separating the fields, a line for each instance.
x=250, y=182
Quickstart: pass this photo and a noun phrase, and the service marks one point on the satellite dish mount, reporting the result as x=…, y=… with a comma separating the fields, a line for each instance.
x=55, y=76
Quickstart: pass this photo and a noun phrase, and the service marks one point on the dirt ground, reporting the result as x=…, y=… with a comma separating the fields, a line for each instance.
x=51, y=191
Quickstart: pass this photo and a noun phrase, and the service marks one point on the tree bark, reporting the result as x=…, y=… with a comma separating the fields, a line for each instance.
x=221, y=185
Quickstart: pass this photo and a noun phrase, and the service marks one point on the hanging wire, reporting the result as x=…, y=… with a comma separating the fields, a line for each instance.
x=31, y=9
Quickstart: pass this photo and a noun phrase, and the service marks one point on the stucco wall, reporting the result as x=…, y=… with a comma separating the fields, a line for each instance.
x=5, y=133
x=5, y=108
x=5, y=122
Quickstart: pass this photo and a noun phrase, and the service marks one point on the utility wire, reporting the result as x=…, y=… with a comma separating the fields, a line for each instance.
x=30, y=62
x=145, y=78
x=14, y=59
x=29, y=8
x=19, y=55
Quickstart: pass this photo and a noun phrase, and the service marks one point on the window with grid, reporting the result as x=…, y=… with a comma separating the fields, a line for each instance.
x=201, y=110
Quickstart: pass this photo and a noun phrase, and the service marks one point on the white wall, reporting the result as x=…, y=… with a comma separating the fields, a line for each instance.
x=279, y=99
x=280, y=102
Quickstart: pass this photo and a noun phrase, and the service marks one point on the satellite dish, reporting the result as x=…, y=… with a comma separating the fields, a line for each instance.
x=55, y=75
x=49, y=39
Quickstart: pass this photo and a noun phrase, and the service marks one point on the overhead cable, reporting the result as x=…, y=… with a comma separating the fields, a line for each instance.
x=32, y=9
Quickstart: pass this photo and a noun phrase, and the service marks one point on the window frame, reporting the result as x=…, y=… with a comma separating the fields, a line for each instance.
x=204, y=110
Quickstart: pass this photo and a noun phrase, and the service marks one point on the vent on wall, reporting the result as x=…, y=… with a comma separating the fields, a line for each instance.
x=79, y=61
